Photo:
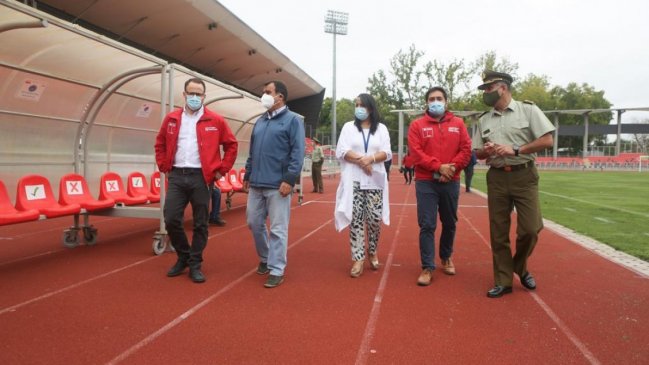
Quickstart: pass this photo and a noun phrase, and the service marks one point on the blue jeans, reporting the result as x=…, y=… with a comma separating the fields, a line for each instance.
x=216, y=203
x=433, y=197
x=271, y=245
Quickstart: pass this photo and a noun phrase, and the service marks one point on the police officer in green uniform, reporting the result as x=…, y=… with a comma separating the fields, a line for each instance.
x=508, y=137
x=317, y=159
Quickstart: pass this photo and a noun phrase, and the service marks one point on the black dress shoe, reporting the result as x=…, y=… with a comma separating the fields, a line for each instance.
x=177, y=269
x=217, y=222
x=196, y=275
x=498, y=291
x=528, y=281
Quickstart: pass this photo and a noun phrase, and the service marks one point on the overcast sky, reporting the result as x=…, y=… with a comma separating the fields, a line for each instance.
x=602, y=43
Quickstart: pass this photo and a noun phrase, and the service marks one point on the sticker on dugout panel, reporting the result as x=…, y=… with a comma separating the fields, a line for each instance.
x=111, y=185
x=136, y=182
x=35, y=192
x=74, y=187
x=144, y=111
x=31, y=90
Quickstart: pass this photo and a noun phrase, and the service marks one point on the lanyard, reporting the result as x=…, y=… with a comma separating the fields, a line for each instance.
x=366, y=142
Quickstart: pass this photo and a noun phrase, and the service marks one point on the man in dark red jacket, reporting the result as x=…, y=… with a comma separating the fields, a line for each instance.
x=440, y=146
x=187, y=148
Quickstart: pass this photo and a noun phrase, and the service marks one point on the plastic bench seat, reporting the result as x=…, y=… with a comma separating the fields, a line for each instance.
x=223, y=185
x=137, y=186
x=234, y=180
x=9, y=214
x=73, y=189
x=35, y=192
x=112, y=187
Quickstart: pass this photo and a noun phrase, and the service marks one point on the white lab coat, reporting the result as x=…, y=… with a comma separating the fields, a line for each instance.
x=351, y=139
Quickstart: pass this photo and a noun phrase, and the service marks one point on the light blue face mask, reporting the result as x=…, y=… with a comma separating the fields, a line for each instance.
x=361, y=113
x=436, y=108
x=194, y=102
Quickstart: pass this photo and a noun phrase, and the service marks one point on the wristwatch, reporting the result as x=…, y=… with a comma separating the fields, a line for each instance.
x=516, y=149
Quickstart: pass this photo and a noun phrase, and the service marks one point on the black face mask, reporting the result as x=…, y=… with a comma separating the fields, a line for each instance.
x=491, y=98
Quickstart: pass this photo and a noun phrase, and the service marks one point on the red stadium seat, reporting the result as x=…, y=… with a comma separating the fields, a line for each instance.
x=223, y=185
x=234, y=180
x=35, y=192
x=242, y=174
x=138, y=186
x=155, y=183
x=9, y=214
x=112, y=187
x=73, y=189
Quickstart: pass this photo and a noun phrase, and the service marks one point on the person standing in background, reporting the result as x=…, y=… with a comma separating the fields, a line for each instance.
x=317, y=159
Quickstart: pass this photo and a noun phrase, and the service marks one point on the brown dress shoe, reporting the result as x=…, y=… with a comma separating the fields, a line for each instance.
x=374, y=261
x=449, y=268
x=357, y=269
x=425, y=278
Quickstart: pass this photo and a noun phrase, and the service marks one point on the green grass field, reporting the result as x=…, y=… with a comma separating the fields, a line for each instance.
x=611, y=207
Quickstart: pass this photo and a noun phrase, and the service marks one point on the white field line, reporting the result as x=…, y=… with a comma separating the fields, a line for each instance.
x=604, y=220
x=595, y=204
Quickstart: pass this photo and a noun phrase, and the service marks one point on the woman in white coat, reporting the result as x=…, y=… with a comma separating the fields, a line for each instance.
x=362, y=195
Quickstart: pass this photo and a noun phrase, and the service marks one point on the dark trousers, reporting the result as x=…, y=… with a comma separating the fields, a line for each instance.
x=187, y=187
x=316, y=176
x=507, y=190
x=215, y=213
x=407, y=174
x=468, y=176
x=433, y=197
x=387, y=164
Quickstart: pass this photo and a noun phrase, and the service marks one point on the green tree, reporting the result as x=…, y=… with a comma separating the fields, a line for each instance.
x=584, y=96
x=344, y=113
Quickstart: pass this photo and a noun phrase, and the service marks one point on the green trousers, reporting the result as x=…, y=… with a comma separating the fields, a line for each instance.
x=509, y=190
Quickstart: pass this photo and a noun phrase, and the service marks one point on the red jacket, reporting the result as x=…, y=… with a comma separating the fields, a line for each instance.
x=212, y=131
x=433, y=142
x=408, y=161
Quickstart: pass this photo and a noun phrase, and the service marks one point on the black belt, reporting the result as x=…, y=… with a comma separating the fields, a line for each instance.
x=187, y=170
x=508, y=168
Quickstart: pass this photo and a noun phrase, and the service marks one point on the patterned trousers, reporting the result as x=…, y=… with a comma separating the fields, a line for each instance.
x=367, y=210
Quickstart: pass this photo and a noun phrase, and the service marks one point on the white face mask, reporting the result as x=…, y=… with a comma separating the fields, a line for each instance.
x=267, y=101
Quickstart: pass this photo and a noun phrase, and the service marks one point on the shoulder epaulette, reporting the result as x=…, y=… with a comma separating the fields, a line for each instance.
x=528, y=102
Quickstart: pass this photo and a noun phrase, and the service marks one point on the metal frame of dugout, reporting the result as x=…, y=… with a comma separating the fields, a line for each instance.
x=99, y=134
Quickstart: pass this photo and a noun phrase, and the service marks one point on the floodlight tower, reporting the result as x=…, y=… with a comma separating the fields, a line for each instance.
x=336, y=24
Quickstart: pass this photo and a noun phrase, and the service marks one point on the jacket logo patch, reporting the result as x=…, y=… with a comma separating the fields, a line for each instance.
x=454, y=130
x=171, y=128
x=427, y=132
x=211, y=129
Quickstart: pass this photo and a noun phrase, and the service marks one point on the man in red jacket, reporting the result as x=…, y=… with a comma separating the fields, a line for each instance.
x=440, y=146
x=187, y=148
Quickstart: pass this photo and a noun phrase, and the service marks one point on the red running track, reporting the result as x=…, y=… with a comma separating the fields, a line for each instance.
x=112, y=303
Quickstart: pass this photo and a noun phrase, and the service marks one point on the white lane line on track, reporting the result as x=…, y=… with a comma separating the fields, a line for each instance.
x=364, y=349
x=147, y=340
x=560, y=324
x=14, y=307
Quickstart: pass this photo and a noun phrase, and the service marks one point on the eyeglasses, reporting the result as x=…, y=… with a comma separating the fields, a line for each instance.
x=194, y=94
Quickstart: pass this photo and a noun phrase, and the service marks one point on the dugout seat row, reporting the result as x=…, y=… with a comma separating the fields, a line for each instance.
x=231, y=183
x=35, y=198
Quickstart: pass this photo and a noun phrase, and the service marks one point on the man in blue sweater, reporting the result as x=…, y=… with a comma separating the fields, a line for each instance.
x=272, y=169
